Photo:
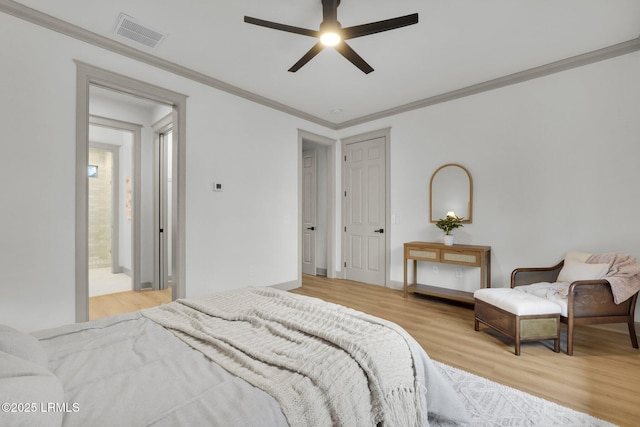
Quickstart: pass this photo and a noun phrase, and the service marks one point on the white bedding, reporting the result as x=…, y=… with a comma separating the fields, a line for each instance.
x=129, y=370
x=325, y=364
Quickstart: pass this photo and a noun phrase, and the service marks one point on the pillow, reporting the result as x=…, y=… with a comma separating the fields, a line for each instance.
x=575, y=270
x=22, y=345
x=25, y=383
x=577, y=256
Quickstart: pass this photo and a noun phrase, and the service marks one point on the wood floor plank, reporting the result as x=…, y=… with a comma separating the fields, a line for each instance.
x=125, y=302
x=602, y=378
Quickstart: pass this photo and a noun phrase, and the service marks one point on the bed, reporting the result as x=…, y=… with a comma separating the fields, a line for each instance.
x=249, y=357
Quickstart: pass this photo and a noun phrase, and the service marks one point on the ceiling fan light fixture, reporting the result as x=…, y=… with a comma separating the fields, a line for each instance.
x=330, y=38
x=332, y=34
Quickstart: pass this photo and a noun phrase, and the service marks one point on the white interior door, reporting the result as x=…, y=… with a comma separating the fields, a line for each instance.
x=163, y=208
x=365, y=211
x=165, y=230
x=309, y=197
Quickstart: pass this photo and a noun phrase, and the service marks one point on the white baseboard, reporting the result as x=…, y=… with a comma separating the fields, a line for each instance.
x=394, y=284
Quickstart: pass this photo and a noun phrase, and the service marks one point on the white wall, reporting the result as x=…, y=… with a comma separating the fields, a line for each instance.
x=554, y=164
x=245, y=235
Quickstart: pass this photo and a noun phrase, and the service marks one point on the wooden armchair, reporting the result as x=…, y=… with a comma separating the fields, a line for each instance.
x=590, y=301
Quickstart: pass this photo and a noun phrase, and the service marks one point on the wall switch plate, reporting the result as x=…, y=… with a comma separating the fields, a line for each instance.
x=458, y=272
x=216, y=186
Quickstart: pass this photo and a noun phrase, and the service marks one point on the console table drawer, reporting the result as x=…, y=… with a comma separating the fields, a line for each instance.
x=425, y=254
x=461, y=257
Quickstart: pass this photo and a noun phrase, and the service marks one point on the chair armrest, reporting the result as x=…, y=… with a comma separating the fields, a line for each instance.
x=588, y=298
x=527, y=276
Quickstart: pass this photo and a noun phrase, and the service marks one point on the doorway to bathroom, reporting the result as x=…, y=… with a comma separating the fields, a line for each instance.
x=137, y=207
x=107, y=210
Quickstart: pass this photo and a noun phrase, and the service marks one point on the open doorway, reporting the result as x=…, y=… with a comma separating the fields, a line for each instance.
x=314, y=209
x=120, y=126
x=110, y=98
x=107, y=210
x=317, y=218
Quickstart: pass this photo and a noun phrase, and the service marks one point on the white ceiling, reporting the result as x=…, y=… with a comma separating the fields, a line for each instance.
x=456, y=44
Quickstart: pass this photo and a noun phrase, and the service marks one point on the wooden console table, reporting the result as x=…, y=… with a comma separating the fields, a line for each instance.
x=469, y=255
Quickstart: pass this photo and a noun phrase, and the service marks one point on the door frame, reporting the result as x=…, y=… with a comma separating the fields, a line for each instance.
x=386, y=134
x=87, y=75
x=331, y=199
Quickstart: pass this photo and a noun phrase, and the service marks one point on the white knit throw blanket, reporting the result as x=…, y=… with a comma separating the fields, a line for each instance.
x=325, y=364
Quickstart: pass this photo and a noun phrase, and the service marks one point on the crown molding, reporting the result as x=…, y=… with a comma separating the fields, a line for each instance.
x=28, y=14
x=608, y=52
x=18, y=10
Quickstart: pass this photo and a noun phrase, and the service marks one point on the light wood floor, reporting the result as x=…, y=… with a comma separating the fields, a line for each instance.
x=126, y=302
x=602, y=378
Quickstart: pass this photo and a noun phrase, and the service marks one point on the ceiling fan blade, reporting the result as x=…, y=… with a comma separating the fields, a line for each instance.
x=330, y=11
x=345, y=50
x=281, y=27
x=307, y=57
x=379, y=26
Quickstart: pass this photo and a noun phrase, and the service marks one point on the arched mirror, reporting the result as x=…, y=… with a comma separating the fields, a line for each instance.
x=451, y=190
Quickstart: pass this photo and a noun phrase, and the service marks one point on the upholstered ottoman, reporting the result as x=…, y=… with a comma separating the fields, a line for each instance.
x=518, y=315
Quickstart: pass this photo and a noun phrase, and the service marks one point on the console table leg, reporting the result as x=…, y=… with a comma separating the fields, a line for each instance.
x=405, y=278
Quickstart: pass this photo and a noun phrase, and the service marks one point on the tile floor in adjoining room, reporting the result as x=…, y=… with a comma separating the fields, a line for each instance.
x=102, y=281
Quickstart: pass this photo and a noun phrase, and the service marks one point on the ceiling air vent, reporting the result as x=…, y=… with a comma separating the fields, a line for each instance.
x=131, y=29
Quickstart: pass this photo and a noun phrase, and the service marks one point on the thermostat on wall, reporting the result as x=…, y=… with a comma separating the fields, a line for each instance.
x=216, y=186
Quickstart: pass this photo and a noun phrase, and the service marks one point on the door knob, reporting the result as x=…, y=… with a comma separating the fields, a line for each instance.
x=311, y=228
x=380, y=230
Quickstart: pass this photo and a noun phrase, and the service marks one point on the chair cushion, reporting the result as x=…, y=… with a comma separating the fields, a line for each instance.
x=518, y=303
x=556, y=292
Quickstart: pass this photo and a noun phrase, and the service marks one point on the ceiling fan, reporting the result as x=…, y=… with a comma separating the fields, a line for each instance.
x=332, y=34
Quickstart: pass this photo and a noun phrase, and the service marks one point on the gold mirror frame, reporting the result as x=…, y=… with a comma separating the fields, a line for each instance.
x=451, y=192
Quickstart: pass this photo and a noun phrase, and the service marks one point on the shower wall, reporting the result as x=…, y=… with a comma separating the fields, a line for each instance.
x=100, y=209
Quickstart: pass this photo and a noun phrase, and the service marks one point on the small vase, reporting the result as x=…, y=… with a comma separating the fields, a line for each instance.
x=448, y=239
